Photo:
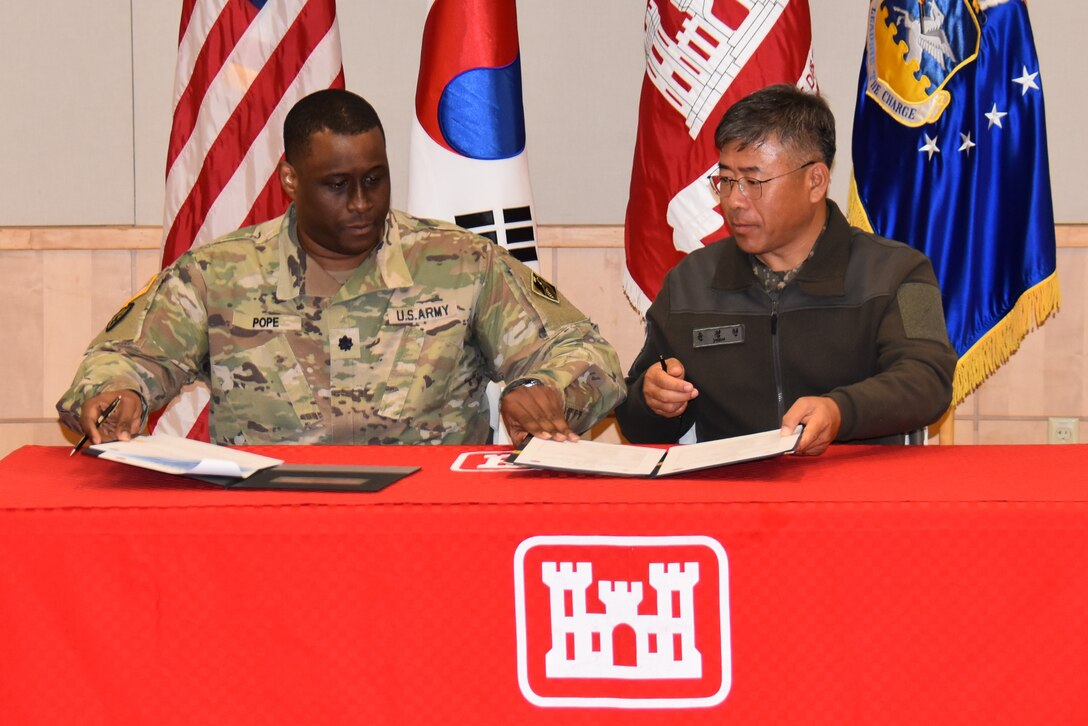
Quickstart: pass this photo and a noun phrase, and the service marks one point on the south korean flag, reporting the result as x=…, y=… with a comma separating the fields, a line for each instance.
x=467, y=161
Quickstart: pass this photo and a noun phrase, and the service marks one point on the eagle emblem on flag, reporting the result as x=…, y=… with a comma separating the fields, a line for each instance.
x=913, y=49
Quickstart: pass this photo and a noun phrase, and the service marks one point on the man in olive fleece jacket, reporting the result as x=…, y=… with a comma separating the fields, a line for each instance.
x=797, y=318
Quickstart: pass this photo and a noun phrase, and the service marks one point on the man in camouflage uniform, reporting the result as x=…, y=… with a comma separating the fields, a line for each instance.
x=346, y=322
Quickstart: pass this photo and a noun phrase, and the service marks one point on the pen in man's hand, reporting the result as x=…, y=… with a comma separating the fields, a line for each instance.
x=97, y=422
x=663, y=366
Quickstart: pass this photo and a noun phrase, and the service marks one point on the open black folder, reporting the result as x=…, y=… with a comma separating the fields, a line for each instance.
x=236, y=469
x=590, y=457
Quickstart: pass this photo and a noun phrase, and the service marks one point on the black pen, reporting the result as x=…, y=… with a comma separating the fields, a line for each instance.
x=663, y=366
x=97, y=422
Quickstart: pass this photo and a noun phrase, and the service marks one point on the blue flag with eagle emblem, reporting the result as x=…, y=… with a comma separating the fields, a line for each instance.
x=950, y=156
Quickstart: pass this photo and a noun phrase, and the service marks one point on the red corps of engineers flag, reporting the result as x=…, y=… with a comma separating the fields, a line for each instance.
x=242, y=65
x=701, y=57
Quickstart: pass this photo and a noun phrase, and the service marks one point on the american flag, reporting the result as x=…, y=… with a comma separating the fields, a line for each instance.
x=242, y=65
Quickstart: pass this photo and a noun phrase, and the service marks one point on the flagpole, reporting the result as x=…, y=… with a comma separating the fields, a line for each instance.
x=946, y=428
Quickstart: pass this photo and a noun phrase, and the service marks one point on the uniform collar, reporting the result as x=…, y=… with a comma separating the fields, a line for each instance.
x=385, y=269
x=292, y=268
x=825, y=273
x=822, y=274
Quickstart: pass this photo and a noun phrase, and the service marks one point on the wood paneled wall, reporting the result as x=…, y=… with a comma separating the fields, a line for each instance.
x=59, y=285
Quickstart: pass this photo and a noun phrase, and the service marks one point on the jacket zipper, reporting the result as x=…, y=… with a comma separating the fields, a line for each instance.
x=776, y=357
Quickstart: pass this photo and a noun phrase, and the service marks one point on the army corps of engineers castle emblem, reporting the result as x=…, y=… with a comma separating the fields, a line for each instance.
x=622, y=622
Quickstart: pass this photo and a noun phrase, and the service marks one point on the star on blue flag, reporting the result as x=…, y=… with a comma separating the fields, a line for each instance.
x=948, y=69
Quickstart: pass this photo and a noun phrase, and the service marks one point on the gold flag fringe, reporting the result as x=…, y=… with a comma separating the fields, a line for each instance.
x=635, y=296
x=855, y=212
x=996, y=347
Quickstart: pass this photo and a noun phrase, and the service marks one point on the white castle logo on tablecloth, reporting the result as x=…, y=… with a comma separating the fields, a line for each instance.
x=582, y=643
x=693, y=71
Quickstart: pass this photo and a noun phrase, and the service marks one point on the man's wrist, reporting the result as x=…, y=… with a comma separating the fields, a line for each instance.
x=521, y=383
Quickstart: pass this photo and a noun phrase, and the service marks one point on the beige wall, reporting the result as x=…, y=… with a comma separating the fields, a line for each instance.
x=86, y=95
x=86, y=92
x=58, y=287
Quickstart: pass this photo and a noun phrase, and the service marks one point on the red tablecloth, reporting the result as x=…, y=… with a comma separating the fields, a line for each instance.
x=889, y=585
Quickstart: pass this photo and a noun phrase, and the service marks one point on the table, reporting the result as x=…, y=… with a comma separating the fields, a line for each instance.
x=871, y=585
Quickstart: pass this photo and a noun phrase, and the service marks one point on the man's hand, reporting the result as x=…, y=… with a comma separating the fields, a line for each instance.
x=123, y=422
x=822, y=419
x=535, y=409
x=665, y=391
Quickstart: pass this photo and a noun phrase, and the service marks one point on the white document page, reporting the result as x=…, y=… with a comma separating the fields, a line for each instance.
x=709, y=454
x=177, y=455
x=590, y=457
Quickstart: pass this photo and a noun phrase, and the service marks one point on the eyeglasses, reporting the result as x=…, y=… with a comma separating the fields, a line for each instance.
x=749, y=187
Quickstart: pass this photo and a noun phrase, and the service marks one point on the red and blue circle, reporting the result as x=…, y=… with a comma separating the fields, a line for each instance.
x=468, y=98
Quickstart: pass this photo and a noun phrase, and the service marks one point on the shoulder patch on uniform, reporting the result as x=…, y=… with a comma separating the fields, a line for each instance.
x=127, y=307
x=543, y=288
x=921, y=310
x=120, y=314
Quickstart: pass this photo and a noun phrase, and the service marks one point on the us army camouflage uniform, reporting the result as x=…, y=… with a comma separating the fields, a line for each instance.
x=401, y=353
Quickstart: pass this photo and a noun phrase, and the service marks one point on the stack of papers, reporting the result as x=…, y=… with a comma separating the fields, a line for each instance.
x=175, y=455
x=623, y=460
x=237, y=469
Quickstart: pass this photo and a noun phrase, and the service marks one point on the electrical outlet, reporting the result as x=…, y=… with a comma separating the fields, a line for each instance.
x=1062, y=430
